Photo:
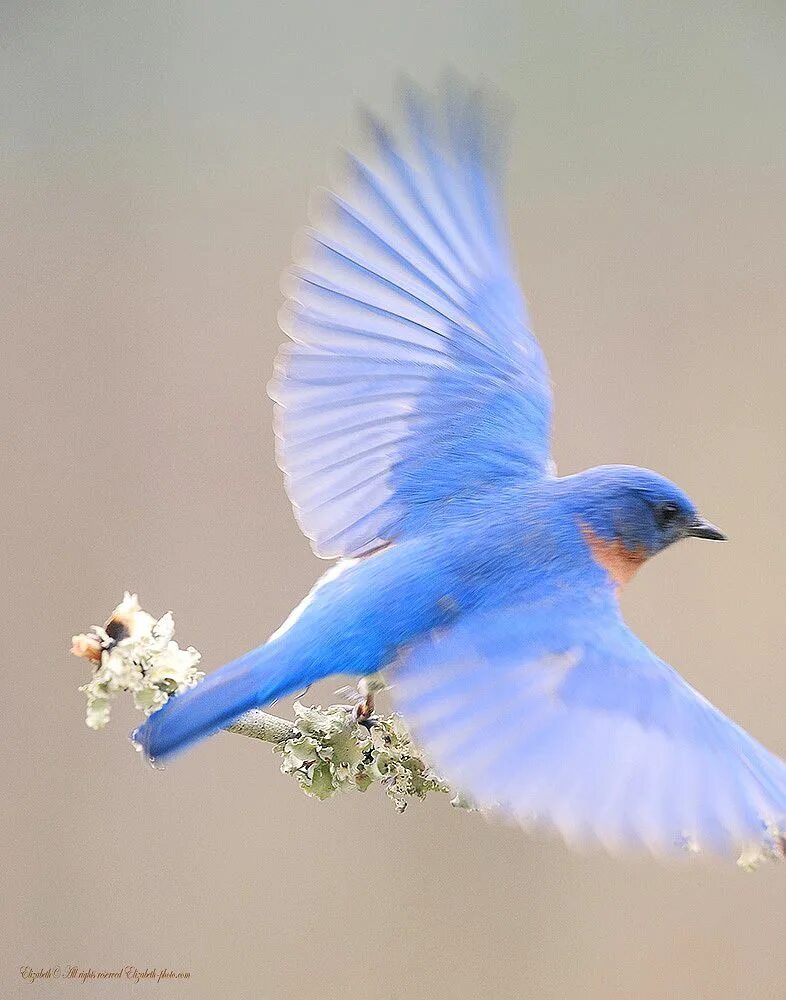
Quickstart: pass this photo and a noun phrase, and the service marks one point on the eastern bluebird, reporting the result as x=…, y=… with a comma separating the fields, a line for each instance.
x=412, y=414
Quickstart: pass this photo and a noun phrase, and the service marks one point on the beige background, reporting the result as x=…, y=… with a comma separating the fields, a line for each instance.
x=157, y=160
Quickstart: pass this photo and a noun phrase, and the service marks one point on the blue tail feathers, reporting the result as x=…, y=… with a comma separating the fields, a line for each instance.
x=253, y=680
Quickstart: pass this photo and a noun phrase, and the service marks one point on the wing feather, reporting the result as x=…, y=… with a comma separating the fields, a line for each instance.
x=564, y=719
x=412, y=376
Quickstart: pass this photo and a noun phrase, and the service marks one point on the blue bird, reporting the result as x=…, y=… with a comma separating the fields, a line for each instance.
x=413, y=415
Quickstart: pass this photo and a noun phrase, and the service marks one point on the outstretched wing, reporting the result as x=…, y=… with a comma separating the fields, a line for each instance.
x=413, y=376
x=564, y=719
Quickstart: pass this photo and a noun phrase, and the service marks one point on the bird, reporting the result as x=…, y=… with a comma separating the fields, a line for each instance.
x=412, y=414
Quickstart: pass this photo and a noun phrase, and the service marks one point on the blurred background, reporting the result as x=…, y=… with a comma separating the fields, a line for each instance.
x=157, y=160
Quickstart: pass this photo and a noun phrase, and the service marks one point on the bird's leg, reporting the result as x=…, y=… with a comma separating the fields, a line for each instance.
x=367, y=688
x=365, y=709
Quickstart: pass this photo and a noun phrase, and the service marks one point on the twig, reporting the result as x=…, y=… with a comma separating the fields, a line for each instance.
x=260, y=725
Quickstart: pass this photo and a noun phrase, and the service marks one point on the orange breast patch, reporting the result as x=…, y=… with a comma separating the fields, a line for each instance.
x=619, y=561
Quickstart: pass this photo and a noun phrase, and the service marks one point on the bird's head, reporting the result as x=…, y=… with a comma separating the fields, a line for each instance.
x=628, y=514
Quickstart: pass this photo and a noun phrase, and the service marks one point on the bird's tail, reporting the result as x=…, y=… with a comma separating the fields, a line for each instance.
x=255, y=679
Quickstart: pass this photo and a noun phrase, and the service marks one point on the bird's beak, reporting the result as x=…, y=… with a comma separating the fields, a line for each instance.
x=703, y=529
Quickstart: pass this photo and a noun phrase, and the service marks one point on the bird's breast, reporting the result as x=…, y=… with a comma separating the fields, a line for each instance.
x=619, y=561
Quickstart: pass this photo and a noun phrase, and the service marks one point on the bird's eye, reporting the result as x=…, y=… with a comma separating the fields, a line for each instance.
x=666, y=514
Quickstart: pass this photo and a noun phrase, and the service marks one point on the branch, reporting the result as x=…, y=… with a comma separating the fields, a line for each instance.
x=326, y=750
x=261, y=726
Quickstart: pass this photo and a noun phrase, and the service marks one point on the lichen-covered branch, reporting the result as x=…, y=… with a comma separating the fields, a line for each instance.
x=331, y=750
x=326, y=750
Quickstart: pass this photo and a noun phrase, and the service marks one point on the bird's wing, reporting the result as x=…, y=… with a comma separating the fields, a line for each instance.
x=561, y=718
x=413, y=376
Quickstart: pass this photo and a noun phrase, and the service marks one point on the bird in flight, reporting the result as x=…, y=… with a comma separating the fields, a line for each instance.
x=413, y=418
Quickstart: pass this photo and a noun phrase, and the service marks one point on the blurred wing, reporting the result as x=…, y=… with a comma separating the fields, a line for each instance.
x=589, y=734
x=413, y=377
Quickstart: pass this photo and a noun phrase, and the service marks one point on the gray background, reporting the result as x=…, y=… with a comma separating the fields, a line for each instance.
x=157, y=160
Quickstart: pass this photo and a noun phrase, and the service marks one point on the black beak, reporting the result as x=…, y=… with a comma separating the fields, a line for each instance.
x=703, y=529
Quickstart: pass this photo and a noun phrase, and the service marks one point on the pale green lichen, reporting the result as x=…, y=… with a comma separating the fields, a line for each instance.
x=772, y=849
x=145, y=662
x=463, y=801
x=330, y=751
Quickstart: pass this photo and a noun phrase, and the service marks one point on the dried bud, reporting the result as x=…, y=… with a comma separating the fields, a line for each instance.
x=87, y=646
